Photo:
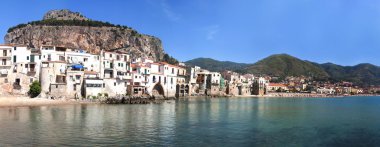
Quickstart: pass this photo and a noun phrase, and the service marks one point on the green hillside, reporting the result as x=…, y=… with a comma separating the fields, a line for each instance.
x=362, y=74
x=285, y=65
x=215, y=65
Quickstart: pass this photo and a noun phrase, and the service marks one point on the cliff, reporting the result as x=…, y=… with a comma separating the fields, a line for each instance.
x=73, y=30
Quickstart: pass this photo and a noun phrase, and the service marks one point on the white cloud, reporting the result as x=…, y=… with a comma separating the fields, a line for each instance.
x=168, y=11
x=212, y=31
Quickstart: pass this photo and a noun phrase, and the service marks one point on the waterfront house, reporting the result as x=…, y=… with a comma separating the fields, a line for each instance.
x=273, y=87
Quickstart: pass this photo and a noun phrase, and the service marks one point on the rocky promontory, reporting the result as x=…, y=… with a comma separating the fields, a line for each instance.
x=73, y=30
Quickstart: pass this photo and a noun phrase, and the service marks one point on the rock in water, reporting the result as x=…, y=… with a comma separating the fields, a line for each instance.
x=73, y=30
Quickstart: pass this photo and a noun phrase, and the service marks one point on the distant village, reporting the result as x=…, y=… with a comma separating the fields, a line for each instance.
x=74, y=73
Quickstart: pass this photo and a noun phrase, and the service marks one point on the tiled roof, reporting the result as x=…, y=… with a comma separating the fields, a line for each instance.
x=277, y=84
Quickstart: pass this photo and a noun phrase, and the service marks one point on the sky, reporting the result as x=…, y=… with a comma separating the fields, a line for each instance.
x=345, y=32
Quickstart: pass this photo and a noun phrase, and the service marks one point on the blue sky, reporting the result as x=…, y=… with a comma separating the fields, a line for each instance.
x=345, y=32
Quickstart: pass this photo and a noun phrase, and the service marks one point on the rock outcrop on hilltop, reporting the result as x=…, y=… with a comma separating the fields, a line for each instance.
x=64, y=15
x=73, y=30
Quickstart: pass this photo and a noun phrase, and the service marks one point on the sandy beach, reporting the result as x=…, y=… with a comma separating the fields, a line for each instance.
x=20, y=101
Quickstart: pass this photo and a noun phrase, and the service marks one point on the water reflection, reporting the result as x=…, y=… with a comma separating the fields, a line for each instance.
x=221, y=121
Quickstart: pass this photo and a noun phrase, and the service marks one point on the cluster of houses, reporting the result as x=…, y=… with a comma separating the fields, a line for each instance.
x=74, y=73
x=307, y=85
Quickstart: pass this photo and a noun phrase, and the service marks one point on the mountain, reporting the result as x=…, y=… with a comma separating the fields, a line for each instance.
x=285, y=65
x=215, y=65
x=364, y=74
x=73, y=30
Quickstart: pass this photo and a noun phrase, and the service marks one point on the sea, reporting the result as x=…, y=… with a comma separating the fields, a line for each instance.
x=342, y=121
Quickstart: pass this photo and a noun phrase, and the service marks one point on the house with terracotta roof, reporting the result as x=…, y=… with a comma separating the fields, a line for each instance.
x=273, y=87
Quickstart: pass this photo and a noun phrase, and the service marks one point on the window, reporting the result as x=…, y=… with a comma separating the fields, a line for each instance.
x=165, y=80
x=39, y=57
x=27, y=57
x=26, y=65
x=85, y=59
x=4, y=62
x=171, y=80
x=110, y=55
x=104, y=85
x=14, y=48
x=31, y=80
x=154, y=79
x=4, y=52
x=74, y=87
x=61, y=58
x=114, y=83
x=14, y=58
x=17, y=81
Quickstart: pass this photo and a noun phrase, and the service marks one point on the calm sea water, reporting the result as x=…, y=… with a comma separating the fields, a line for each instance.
x=350, y=121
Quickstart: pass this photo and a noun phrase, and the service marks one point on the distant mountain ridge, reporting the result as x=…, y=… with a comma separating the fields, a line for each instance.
x=216, y=65
x=283, y=65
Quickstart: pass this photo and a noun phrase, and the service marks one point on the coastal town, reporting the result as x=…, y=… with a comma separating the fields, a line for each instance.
x=66, y=73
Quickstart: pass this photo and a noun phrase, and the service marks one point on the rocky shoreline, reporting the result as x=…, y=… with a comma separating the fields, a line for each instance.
x=23, y=101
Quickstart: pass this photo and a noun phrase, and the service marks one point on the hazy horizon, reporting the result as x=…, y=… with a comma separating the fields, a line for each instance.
x=341, y=32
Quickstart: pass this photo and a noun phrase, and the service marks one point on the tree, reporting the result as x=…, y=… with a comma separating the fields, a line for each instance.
x=34, y=89
x=169, y=59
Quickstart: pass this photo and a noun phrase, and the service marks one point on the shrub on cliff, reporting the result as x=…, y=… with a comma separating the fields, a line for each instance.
x=34, y=89
x=170, y=59
x=55, y=22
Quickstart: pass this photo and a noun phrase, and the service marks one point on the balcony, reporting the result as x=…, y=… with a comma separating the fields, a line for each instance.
x=60, y=79
x=31, y=73
x=5, y=57
x=145, y=81
x=77, y=81
x=5, y=65
x=16, y=86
